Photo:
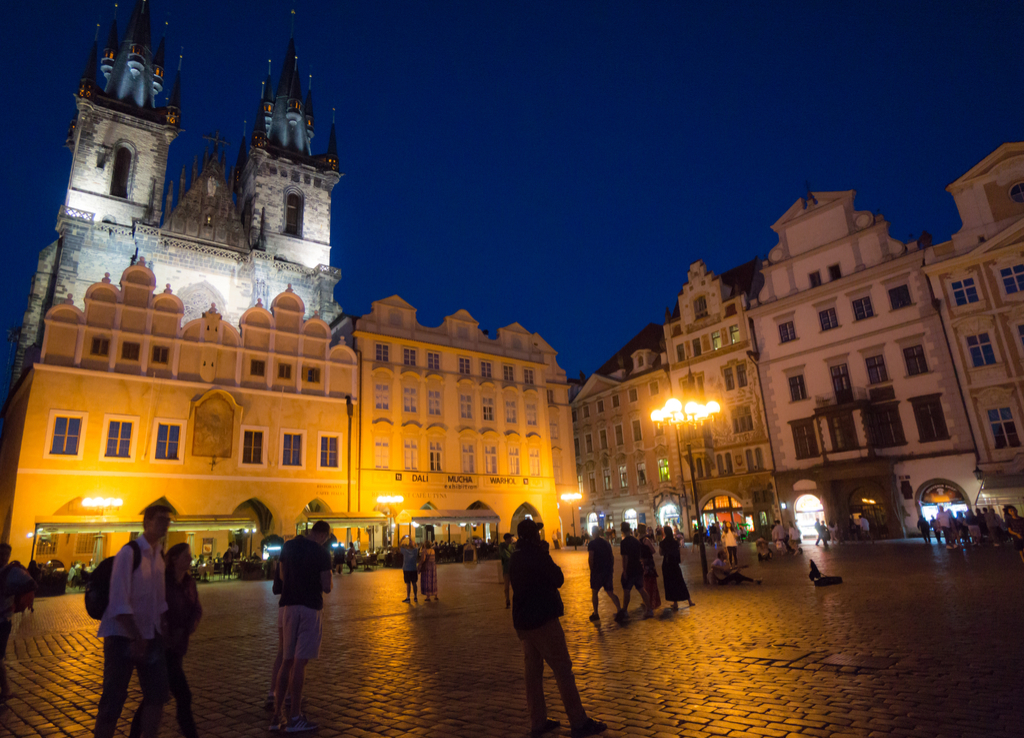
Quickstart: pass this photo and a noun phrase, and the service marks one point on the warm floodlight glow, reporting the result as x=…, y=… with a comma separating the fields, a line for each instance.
x=390, y=499
x=658, y=416
x=713, y=407
x=673, y=406
x=572, y=496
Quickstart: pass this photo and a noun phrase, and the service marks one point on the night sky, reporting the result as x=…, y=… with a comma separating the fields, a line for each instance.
x=555, y=163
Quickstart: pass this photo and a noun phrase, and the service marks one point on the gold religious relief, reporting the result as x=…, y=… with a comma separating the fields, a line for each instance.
x=214, y=428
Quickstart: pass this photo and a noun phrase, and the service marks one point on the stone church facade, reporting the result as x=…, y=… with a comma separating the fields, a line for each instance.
x=234, y=235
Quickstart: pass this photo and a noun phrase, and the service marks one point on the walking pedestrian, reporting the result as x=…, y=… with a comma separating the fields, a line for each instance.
x=732, y=545
x=925, y=527
x=723, y=573
x=601, y=559
x=428, y=577
x=536, y=608
x=350, y=557
x=833, y=532
x=823, y=534
x=945, y=522
x=183, y=615
x=505, y=552
x=131, y=628
x=647, y=550
x=1015, y=527
x=675, y=586
x=410, y=559
x=865, y=528
x=305, y=573
x=632, y=573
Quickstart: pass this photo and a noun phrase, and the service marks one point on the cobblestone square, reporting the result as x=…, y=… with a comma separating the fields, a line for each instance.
x=917, y=641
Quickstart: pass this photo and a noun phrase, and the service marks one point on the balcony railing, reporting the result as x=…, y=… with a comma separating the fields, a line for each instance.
x=841, y=397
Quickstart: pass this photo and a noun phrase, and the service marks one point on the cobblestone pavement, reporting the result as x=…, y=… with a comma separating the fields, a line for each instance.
x=928, y=644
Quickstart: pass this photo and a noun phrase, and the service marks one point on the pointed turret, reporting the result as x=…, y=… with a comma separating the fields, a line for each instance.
x=158, y=68
x=308, y=109
x=284, y=85
x=287, y=129
x=174, y=102
x=132, y=78
x=110, y=51
x=331, y=157
x=259, y=129
x=87, y=84
x=267, y=102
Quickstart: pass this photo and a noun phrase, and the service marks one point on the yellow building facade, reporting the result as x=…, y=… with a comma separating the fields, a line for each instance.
x=472, y=432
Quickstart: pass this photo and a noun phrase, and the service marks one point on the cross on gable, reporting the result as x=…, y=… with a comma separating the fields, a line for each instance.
x=216, y=140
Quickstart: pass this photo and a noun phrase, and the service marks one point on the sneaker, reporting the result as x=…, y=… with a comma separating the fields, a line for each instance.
x=406, y=600
x=548, y=726
x=594, y=617
x=648, y=614
x=278, y=724
x=591, y=727
x=621, y=616
x=299, y=724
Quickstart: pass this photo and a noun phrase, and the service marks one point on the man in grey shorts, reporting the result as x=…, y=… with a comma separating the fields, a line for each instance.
x=305, y=572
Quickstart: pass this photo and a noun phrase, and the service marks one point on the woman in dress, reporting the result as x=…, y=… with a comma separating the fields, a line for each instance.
x=428, y=577
x=675, y=585
x=647, y=550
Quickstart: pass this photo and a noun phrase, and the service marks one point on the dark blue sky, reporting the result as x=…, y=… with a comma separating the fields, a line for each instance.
x=554, y=163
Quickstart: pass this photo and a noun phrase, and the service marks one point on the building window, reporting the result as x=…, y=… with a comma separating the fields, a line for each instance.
x=750, y=460
x=965, y=291
x=618, y=435
x=313, y=375
x=1017, y=192
x=130, y=351
x=728, y=464
x=700, y=308
x=981, y=350
x=742, y=420
x=466, y=407
x=292, y=455
x=257, y=368
x=381, y=453
x=1013, y=278
x=434, y=402
x=876, y=369
x=464, y=365
x=899, y=297
x=100, y=347
x=586, y=411
x=607, y=479
x=834, y=272
x=119, y=439
x=797, y=389
x=600, y=406
x=535, y=465
x=623, y=477
x=531, y=414
x=730, y=383
x=716, y=340
x=551, y=397
x=841, y=383
x=862, y=308
x=931, y=422
x=487, y=405
x=828, y=319
x=593, y=483
x=292, y=213
x=815, y=279
x=696, y=347
x=653, y=387
x=434, y=361
x=167, y=441
x=160, y=354
x=741, y=375
x=383, y=352
x=641, y=473
x=734, y=334
x=884, y=427
x=66, y=432
x=508, y=372
x=637, y=431
x=329, y=452
x=787, y=332
x=252, y=447
x=916, y=363
x=122, y=173
x=842, y=431
x=602, y=439
x=663, y=474
x=556, y=469
x=758, y=458
x=615, y=400
x=681, y=352
x=435, y=456
x=633, y=396
x=528, y=376
x=485, y=368
x=409, y=399
x=588, y=443
x=381, y=399
x=511, y=412
x=805, y=439
x=491, y=459
x=284, y=371
x=1003, y=428
x=699, y=463
x=553, y=430
x=411, y=454
x=409, y=356
x=513, y=461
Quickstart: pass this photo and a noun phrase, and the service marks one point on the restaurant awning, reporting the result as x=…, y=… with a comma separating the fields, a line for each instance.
x=447, y=517
x=184, y=523
x=348, y=519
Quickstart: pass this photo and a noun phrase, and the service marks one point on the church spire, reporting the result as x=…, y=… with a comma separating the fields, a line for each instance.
x=110, y=50
x=132, y=75
x=174, y=103
x=87, y=84
x=158, y=67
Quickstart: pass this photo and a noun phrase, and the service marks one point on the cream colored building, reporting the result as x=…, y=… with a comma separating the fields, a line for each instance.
x=471, y=431
x=978, y=279
x=709, y=341
x=243, y=430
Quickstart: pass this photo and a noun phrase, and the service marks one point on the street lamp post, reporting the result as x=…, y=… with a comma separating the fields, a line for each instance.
x=572, y=497
x=385, y=502
x=693, y=416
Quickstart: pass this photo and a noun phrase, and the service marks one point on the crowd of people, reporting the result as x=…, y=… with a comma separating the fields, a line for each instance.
x=974, y=528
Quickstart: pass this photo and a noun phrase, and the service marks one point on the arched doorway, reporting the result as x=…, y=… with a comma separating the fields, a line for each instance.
x=524, y=511
x=723, y=509
x=807, y=510
x=592, y=522
x=668, y=514
x=631, y=517
x=489, y=531
x=255, y=509
x=867, y=502
x=944, y=493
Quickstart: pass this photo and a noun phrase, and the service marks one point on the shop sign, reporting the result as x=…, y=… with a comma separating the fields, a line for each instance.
x=422, y=478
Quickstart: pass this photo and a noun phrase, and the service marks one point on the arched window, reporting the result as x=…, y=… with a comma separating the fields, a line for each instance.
x=292, y=213
x=122, y=171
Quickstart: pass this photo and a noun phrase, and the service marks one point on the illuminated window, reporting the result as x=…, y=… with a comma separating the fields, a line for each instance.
x=435, y=456
x=411, y=454
x=433, y=402
x=663, y=474
x=491, y=459
x=513, y=460
x=381, y=453
x=409, y=399
x=531, y=415
x=468, y=458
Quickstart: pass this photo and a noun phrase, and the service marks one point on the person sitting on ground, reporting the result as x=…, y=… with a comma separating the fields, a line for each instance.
x=794, y=539
x=779, y=536
x=764, y=551
x=723, y=573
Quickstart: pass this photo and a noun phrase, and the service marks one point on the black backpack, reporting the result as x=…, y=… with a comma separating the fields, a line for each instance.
x=97, y=591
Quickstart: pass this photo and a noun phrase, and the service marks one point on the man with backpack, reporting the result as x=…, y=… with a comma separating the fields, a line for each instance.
x=132, y=628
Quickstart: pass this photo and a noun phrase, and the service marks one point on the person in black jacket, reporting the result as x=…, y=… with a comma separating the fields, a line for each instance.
x=536, y=608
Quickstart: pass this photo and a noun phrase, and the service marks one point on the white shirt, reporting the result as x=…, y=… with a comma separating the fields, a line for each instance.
x=864, y=524
x=140, y=593
x=795, y=535
x=730, y=539
x=778, y=532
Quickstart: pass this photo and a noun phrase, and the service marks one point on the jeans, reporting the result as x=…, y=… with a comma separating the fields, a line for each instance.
x=734, y=558
x=117, y=673
x=547, y=643
x=182, y=698
x=735, y=578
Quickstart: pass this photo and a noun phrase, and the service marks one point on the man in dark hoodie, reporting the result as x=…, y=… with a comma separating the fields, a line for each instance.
x=536, y=608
